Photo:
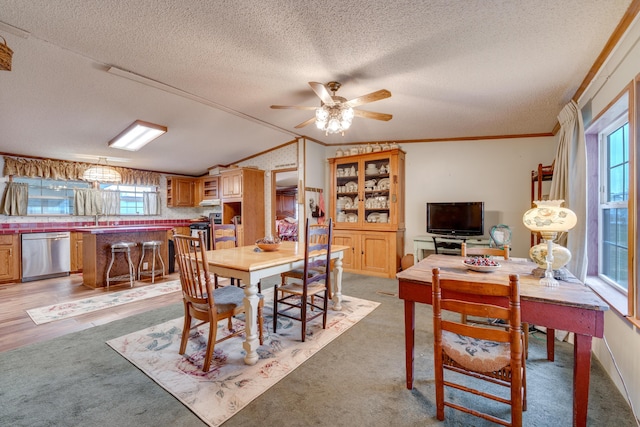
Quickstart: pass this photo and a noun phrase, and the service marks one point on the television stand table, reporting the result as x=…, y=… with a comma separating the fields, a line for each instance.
x=444, y=245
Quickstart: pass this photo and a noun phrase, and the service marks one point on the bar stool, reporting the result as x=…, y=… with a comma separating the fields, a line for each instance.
x=123, y=248
x=154, y=246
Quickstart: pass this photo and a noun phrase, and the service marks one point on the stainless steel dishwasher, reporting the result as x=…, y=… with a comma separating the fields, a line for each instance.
x=45, y=255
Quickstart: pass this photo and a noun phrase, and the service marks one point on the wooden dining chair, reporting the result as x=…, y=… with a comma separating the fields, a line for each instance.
x=297, y=274
x=484, y=251
x=224, y=236
x=297, y=300
x=498, y=252
x=202, y=301
x=479, y=351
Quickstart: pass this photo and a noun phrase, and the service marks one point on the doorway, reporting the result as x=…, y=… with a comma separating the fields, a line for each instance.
x=284, y=204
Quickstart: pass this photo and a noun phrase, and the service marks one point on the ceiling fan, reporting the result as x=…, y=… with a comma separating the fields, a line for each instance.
x=336, y=113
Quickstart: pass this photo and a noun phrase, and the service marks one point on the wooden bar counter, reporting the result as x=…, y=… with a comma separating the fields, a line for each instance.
x=96, y=250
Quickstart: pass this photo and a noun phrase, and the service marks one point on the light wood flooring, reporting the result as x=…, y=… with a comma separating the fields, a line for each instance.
x=17, y=329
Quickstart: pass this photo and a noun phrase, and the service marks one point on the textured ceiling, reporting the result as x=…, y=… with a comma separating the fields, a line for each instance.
x=469, y=68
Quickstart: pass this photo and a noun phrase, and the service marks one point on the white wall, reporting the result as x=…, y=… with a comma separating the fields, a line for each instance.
x=315, y=164
x=496, y=172
x=623, y=338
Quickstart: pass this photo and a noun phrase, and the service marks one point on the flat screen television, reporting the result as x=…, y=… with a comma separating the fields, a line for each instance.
x=455, y=218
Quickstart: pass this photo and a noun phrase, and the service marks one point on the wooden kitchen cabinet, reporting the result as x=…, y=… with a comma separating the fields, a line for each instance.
x=242, y=198
x=209, y=188
x=9, y=258
x=232, y=183
x=181, y=192
x=374, y=253
x=366, y=205
x=76, y=252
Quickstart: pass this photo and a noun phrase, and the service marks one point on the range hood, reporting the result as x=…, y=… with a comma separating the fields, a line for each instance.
x=210, y=202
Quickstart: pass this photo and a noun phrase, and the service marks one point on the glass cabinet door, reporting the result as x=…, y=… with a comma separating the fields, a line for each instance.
x=347, y=201
x=376, y=203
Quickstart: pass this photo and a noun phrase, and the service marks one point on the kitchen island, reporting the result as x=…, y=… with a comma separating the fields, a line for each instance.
x=96, y=249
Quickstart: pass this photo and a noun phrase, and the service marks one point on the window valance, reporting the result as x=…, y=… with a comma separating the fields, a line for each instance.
x=61, y=169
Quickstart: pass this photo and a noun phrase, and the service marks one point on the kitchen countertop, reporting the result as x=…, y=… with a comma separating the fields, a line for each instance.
x=104, y=229
x=85, y=226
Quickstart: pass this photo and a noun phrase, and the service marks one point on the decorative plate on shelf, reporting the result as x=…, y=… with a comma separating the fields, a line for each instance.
x=373, y=217
x=352, y=217
x=384, y=184
x=482, y=265
x=351, y=186
x=342, y=202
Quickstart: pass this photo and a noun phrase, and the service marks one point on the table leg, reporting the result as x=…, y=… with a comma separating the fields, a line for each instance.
x=251, y=343
x=551, y=340
x=337, y=275
x=581, y=372
x=409, y=330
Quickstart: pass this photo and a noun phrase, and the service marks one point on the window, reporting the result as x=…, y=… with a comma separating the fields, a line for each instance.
x=51, y=197
x=55, y=197
x=131, y=197
x=613, y=204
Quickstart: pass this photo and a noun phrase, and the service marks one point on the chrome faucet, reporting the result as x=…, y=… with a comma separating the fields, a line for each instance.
x=97, y=216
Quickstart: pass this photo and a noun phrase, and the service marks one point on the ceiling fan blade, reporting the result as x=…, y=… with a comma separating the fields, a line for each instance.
x=372, y=115
x=371, y=97
x=293, y=107
x=322, y=92
x=305, y=123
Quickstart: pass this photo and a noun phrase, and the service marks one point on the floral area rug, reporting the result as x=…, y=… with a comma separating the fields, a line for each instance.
x=230, y=384
x=74, y=308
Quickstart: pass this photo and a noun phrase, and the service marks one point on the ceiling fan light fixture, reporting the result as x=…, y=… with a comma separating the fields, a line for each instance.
x=137, y=135
x=335, y=113
x=322, y=116
x=334, y=119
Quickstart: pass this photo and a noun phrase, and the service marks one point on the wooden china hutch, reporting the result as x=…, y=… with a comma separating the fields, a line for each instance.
x=366, y=205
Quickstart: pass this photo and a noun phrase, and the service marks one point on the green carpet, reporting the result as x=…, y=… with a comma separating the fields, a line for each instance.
x=356, y=380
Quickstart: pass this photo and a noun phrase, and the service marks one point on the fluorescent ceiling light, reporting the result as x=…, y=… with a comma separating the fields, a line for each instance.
x=137, y=136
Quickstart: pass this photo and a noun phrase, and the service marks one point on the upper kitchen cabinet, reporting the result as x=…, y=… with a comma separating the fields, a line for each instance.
x=181, y=192
x=209, y=188
x=232, y=181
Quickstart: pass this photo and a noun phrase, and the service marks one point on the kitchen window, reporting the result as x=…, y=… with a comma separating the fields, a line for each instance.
x=49, y=197
x=134, y=199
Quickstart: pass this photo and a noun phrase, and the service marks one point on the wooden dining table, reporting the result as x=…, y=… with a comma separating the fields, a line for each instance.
x=571, y=306
x=250, y=265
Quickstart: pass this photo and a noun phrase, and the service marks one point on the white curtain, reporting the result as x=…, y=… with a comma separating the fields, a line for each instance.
x=569, y=183
x=150, y=203
x=110, y=202
x=87, y=201
x=16, y=198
